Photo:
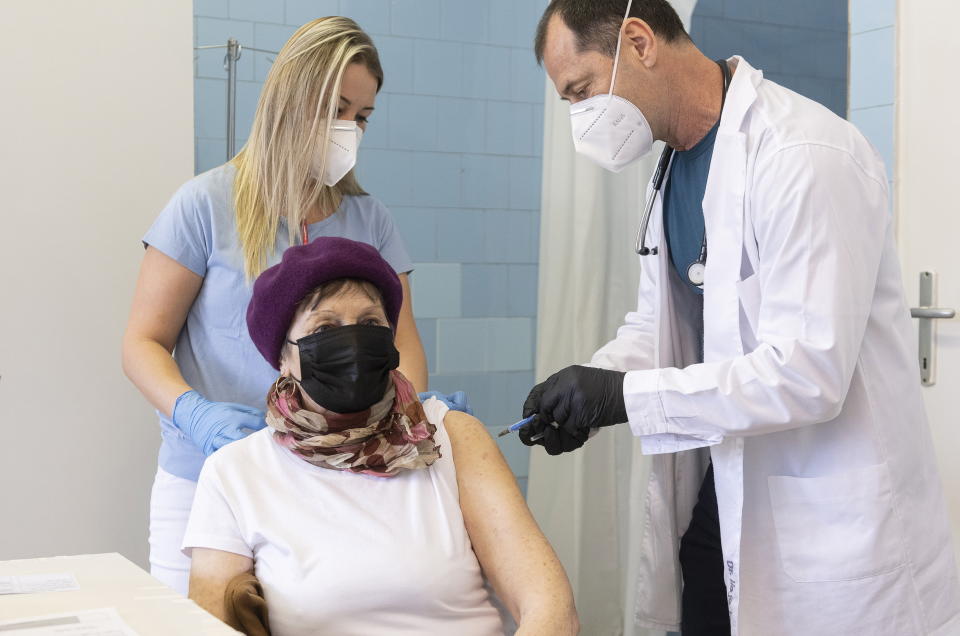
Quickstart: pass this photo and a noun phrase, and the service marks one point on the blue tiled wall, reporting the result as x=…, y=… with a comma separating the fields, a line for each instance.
x=453, y=149
x=801, y=45
x=872, y=65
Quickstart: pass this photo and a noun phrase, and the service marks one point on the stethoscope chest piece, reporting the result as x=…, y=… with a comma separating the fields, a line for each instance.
x=696, y=273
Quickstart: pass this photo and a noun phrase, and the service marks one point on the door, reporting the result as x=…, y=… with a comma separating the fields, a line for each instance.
x=927, y=165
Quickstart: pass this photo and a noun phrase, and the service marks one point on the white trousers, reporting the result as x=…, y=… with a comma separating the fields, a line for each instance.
x=170, y=501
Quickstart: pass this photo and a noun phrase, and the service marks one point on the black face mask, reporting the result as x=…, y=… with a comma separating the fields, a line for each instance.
x=347, y=369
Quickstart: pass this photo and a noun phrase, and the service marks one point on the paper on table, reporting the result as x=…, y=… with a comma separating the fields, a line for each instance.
x=98, y=622
x=33, y=583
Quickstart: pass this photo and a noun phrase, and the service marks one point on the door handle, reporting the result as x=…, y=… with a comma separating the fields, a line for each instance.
x=932, y=313
x=927, y=331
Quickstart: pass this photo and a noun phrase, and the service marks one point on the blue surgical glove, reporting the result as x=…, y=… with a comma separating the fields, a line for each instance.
x=213, y=425
x=456, y=401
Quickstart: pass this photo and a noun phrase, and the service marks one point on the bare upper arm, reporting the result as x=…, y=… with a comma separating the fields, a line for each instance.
x=512, y=550
x=210, y=572
x=164, y=293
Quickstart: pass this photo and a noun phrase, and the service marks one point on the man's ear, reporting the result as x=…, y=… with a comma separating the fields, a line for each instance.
x=639, y=40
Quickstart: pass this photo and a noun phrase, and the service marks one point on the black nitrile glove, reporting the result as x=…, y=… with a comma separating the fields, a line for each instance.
x=576, y=399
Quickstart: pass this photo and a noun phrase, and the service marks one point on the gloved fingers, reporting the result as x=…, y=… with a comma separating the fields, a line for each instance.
x=527, y=432
x=553, y=440
x=460, y=402
x=242, y=408
x=532, y=403
x=573, y=437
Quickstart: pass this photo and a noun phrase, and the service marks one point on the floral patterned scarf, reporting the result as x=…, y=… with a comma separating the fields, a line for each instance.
x=391, y=436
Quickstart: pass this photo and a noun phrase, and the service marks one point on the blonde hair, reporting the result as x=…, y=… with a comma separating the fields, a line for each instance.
x=298, y=104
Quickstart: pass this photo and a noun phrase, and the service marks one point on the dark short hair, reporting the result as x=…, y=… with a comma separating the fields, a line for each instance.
x=595, y=23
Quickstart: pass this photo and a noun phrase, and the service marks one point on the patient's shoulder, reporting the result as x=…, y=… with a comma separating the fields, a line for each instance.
x=235, y=456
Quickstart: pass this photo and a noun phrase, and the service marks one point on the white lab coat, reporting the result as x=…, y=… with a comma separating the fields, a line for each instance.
x=831, y=509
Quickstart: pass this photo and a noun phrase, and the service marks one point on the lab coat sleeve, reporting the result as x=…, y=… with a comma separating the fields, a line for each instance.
x=633, y=348
x=820, y=220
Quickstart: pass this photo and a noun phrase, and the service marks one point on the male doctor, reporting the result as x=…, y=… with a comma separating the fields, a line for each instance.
x=771, y=332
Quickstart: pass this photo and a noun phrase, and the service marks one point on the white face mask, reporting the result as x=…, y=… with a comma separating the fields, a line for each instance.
x=341, y=152
x=609, y=129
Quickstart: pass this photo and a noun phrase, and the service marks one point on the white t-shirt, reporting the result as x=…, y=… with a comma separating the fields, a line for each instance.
x=342, y=553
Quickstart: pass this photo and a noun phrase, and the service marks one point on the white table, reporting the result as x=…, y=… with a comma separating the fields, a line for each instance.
x=109, y=580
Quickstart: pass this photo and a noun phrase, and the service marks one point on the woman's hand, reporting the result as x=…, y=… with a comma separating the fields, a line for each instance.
x=514, y=554
x=210, y=572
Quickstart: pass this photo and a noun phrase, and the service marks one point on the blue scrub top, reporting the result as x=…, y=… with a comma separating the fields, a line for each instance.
x=683, y=204
x=214, y=352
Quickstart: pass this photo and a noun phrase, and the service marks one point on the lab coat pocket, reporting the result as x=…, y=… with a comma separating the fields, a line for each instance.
x=748, y=291
x=836, y=528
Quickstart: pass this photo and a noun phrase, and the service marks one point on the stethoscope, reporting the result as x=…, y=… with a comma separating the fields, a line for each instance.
x=698, y=268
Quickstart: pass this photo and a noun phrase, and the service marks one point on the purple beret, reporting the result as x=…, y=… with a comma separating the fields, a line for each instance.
x=303, y=268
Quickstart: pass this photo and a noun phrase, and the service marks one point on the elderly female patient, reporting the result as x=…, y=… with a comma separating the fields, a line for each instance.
x=360, y=510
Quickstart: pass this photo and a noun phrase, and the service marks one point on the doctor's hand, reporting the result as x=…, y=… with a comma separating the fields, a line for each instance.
x=213, y=425
x=576, y=399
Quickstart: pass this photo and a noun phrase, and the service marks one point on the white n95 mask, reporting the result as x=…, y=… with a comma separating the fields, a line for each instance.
x=609, y=129
x=341, y=152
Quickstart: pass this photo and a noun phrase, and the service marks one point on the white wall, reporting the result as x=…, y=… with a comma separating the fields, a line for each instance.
x=96, y=132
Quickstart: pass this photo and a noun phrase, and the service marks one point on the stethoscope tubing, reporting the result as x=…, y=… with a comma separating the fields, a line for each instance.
x=663, y=165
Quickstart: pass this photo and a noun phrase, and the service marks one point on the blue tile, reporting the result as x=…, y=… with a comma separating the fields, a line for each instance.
x=211, y=31
x=485, y=72
x=464, y=20
x=484, y=291
x=538, y=131
x=257, y=11
x=461, y=345
x=460, y=236
x=419, y=230
x=516, y=454
x=415, y=18
x=437, y=68
x=522, y=284
x=436, y=290
x=248, y=94
x=475, y=385
x=299, y=12
x=872, y=68
x=749, y=10
x=509, y=391
x=262, y=63
x=818, y=53
x=829, y=15
x=271, y=37
x=712, y=8
x=387, y=174
x=510, y=128
x=525, y=24
x=436, y=179
x=209, y=108
x=527, y=80
x=373, y=16
x=763, y=43
x=510, y=236
x=211, y=8
x=867, y=15
x=210, y=153
x=377, y=134
x=525, y=176
x=877, y=125
x=413, y=122
x=502, y=15
x=427, y=328
x=396, y=57
x=461, y=124
x=486, y=181
x=509, y=344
